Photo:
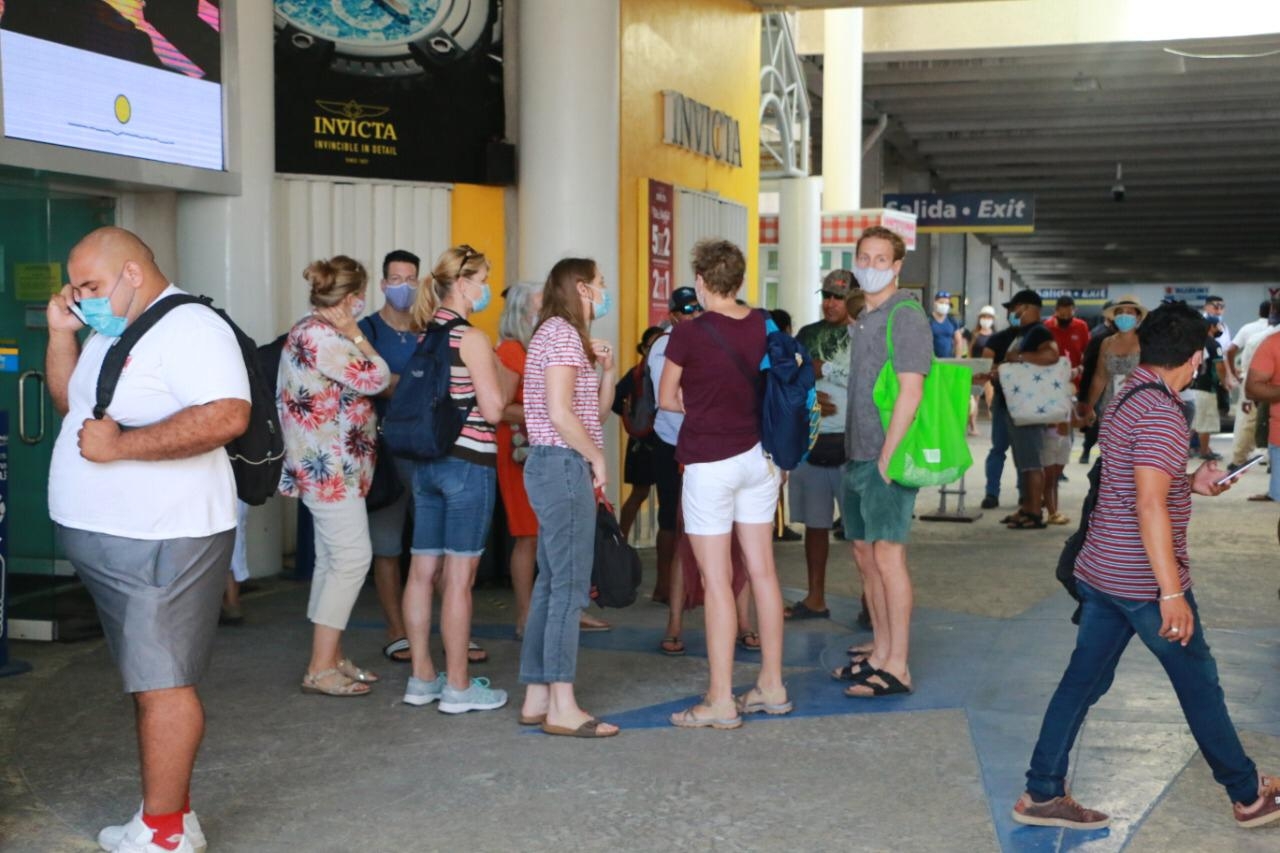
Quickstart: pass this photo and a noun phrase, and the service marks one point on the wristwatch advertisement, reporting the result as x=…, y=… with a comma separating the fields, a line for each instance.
x=407, y=89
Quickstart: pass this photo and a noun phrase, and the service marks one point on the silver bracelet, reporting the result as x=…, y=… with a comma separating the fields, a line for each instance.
x=1173, y=596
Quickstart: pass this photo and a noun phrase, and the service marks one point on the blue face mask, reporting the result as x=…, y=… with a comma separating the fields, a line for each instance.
x=601, y=308
x=99, y=316
x=401, y=296
x=1125, y=322
x=483, y=302
x=1014, y=320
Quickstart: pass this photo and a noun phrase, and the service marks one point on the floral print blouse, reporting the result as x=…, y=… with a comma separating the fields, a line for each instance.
x=324, y=391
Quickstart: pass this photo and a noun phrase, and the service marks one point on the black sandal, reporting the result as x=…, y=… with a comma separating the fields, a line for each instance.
x=891, y=686
x=1026, y=521
x=857, y=672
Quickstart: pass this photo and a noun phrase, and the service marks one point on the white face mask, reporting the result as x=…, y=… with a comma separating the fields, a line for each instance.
x=943, y=308
x=986, y=322
x=872, y=280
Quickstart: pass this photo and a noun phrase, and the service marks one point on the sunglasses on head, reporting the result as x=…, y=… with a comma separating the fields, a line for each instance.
x=467, y=254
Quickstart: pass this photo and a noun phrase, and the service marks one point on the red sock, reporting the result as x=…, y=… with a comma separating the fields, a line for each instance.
x=166, y=829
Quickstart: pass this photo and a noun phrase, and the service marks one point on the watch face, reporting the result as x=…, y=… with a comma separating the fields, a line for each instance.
x=359, y=25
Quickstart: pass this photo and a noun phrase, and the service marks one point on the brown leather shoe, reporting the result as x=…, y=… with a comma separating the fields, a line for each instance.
x=1061, y=811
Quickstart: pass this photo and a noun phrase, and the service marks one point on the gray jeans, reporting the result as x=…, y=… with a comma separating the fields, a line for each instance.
x=558, y=481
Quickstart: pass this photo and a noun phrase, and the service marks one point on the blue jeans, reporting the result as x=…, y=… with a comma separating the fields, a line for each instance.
x=558, y=481
x=1106, y=625
x=1273, y=489
x=999, y=445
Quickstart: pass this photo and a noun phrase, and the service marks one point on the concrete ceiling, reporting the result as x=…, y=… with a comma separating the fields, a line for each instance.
x=1199, y=141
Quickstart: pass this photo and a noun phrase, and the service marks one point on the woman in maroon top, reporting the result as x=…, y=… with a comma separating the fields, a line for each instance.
x=730, y=485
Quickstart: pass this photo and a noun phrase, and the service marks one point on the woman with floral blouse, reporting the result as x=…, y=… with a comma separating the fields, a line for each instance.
x=328, y=376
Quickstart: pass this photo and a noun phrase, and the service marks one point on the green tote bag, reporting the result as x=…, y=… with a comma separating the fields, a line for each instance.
x=934, y=452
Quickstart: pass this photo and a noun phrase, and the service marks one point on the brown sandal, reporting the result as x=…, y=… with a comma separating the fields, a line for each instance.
x=330, y=682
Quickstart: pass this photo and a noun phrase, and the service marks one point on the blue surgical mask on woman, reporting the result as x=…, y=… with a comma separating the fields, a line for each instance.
x=401, y=296
x=99, y=316
x=601, y=308
x=483, y=302
x=1125, y=322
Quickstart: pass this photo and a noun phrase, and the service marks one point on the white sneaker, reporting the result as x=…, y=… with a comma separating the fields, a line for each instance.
x=112, y=838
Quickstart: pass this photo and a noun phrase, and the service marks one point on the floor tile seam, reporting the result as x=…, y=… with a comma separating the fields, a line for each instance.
x=1141, y=821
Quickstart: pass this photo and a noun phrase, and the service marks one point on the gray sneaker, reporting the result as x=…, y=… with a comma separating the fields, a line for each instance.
x=420, y=692
x=478, y=697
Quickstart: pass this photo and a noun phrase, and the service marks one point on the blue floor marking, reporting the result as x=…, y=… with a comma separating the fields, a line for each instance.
x=1000, y=672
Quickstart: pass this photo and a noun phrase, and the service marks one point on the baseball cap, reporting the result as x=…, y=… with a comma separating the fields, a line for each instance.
x=1025, y=297
x=987, y=311
x=942, y=294
x=684, y=300
x=1066, y=302
x=837, y=282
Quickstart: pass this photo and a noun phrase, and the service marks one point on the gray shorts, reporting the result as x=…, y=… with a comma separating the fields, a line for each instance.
x=386, y=525
x=1027, y=443
x=813, y=491
x=157, y=599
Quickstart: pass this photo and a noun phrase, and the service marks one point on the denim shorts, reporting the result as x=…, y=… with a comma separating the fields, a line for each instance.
x=873, y=510
x=452, y=507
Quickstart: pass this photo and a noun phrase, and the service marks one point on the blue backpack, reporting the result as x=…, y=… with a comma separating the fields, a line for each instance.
x=423, y=422
x=789, y=413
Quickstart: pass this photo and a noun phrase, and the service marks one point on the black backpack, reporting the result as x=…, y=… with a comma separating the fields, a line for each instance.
x=423, y=422
x=640, y=409
x=1066, y=569
x=615, y=572
x=257, y=456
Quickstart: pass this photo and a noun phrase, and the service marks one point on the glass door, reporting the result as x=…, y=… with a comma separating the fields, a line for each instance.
x=38, y=228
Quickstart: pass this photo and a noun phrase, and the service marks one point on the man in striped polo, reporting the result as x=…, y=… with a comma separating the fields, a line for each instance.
x=1134, y=578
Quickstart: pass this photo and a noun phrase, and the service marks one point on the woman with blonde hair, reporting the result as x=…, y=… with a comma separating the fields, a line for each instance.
x=565, y=403
x=453, y=495
x=328, y=375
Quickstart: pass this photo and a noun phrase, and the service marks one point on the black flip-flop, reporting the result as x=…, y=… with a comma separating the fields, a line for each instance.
x=857, y=672
x=800, y=610
x=891, y=686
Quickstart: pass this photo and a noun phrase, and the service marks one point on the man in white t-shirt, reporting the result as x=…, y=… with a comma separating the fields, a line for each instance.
x=145, y=503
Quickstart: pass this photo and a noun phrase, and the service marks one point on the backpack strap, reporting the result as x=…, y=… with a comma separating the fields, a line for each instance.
x=750, y=375
x=113, y=364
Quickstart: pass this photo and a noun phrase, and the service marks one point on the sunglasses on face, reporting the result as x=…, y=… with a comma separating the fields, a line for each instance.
x=691, y=309
x=831, y=294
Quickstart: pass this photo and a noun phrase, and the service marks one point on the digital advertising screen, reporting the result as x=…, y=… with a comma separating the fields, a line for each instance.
x=129, y=77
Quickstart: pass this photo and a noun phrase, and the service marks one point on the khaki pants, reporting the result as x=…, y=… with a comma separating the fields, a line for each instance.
x=1244, y=444
x=343, y=556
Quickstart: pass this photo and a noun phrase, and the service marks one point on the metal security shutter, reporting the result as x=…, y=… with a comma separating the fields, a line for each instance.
x=321, y=217
x=700, y=216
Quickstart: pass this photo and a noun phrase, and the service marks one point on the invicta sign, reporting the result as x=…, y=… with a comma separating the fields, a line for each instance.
x=354, y=128
x=698, y=128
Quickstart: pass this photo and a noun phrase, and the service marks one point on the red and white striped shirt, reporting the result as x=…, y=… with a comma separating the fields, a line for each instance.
x=1148, y=431
x=478, y=440
x=557, y=343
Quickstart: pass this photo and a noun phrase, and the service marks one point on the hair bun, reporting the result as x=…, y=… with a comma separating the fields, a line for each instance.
x=321, y=275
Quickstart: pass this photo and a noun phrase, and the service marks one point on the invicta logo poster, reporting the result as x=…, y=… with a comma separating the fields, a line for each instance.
x=397, y=89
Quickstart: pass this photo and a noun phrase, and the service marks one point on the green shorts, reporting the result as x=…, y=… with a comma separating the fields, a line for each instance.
x=875, y=511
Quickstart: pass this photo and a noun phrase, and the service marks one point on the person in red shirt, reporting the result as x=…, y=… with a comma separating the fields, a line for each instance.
x=1070, y=332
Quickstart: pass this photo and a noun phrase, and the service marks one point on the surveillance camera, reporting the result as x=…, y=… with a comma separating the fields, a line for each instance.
x=1117, y=192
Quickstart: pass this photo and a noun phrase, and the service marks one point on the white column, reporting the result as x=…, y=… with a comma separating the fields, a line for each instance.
x=224, y=242
x=569, y=92
x=842, y=110
x=799, y=236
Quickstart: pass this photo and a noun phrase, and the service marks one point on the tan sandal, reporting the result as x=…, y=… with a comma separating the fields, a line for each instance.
x=348, y=668
x=330, y=682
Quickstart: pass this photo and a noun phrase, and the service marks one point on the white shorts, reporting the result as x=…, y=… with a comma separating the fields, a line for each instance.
x=1206, y=416
x=742, y=489
x=1056, y=448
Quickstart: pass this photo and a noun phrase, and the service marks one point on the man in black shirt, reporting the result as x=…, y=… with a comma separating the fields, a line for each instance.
x=1203, y=391
x=1032, y=343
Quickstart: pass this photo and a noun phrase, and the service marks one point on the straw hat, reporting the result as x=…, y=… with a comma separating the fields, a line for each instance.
x=1127, y=301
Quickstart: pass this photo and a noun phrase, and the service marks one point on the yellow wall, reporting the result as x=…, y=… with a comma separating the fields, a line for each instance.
x=478, y=220
x=708, y=50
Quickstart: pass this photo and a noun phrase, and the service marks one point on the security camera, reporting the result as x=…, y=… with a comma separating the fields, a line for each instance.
x=1117, y=189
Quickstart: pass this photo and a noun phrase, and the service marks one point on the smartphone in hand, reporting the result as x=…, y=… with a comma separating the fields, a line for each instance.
x=1249, y=463
x=74, y=308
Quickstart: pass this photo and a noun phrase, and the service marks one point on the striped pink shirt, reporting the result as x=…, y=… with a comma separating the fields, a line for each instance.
x=557, y=343
x=1148, y=431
